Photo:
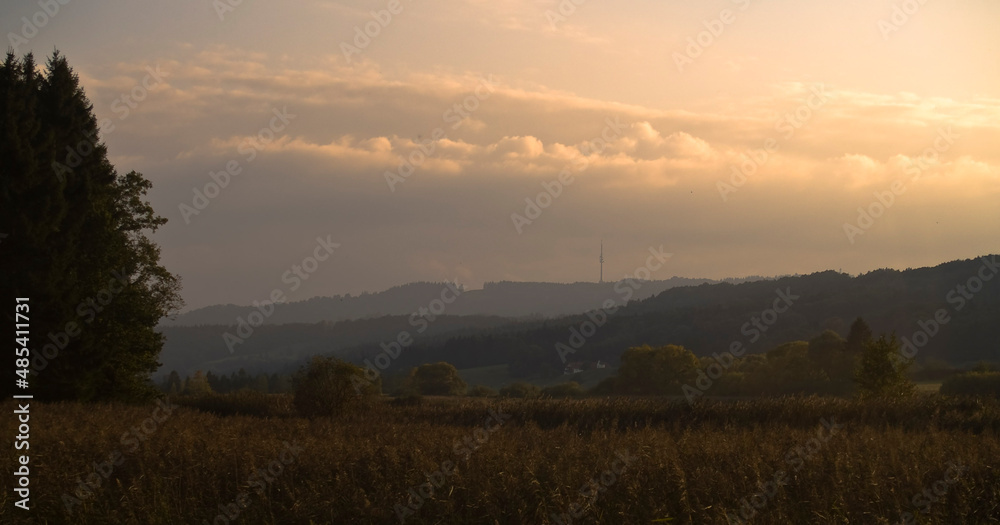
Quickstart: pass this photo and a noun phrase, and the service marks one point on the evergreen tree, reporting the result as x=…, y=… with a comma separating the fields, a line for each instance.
x=173, y=384
x=197, y=385
x=78, y=245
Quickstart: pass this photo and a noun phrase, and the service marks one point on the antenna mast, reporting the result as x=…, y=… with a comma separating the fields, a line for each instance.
x=602, y=261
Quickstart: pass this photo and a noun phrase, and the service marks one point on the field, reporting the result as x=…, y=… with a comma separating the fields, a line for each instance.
x=444, y=461
x=496, y=377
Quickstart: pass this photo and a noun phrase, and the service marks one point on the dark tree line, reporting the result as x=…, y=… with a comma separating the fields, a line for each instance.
x=76, y=243
x=222, y=384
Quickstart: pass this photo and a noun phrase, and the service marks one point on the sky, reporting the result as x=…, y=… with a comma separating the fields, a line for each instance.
x=480, y=141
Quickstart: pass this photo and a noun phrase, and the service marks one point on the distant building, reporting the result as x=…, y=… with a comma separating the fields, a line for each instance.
x=573, y=368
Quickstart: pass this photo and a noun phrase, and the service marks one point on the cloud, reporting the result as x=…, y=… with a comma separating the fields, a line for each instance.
x=650, y=175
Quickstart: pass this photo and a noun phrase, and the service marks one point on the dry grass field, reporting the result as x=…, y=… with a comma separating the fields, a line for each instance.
x=620, y=461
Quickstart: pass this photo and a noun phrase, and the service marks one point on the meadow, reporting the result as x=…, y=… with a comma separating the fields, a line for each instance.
x=246, y=458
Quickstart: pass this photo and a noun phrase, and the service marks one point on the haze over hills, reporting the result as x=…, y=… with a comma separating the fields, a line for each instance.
x=505, y=298
x=706, y=318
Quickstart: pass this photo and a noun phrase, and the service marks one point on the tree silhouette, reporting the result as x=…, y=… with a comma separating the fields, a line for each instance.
x=436, y=379
x=78, y=242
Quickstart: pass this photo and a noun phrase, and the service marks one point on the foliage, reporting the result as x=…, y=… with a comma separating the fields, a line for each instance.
x=482, y=391
x=973, y=384
x=656, y=371
x=80, y=232
x=569, y=389
x=328, y=386
x=235, y=382
x=197, y=385
x=828, y=351
x=881, y=371
x=436, y=379
x=520, y=389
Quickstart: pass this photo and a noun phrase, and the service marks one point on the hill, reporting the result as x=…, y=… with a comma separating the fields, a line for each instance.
x=948, y=312
x=505, y=298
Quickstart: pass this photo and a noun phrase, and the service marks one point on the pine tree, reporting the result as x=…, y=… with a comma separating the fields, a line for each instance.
x=78, y=244
x=173, y=384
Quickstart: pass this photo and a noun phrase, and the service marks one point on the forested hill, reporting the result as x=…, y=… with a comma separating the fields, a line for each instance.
x=507, y=299
x=705, y=318
x=709, y=318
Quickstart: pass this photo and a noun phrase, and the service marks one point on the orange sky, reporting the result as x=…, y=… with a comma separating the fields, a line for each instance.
x=654, y=109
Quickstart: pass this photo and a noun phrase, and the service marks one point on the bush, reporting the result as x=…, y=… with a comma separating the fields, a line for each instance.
x=520, y=389
x=570, y=389
x=437, y=379
x=482, y=391
x=973, y=384
x=328, y=386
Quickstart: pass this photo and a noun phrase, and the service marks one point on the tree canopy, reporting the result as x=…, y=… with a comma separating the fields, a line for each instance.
x=77, y=242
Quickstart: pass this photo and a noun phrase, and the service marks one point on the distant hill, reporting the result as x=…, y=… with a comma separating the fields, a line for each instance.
x=507, y=299
x=706, y=318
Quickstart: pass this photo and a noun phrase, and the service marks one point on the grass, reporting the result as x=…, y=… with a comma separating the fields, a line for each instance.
x=929, y=387
x=686, y=464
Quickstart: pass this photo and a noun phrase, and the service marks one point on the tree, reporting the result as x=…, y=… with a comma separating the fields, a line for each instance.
x=78, y=242
x=787, y=370
x=482, y=391
x=860, y=334
x=828, y=352
x=521, y=389
x=881, y=372
x=436, y=379
x=197, y=385
x=173, y=383
x=570, y=389
x=328, y=386
x=656, y=371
